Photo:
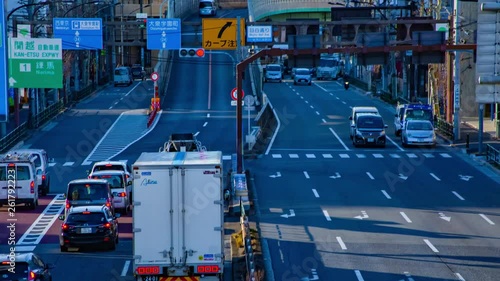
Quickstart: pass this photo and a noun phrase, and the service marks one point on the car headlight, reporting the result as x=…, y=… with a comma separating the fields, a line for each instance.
x=382, y=133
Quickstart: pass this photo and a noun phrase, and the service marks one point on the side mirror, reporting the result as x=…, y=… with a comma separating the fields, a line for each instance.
x=350, y=117
x=61, y=217
x=385, y=126
x=117, y=215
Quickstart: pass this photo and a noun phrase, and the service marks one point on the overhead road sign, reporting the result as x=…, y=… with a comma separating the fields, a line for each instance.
x=220, y=34
x=4, y=109
x=35, y=63
x=163, y=34
x=79, y=33
x=259, y=33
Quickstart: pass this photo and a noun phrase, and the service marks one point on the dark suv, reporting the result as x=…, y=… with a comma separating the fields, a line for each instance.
x=369, y=129
x=138, y=72
x=27, y=266
x=89, y=225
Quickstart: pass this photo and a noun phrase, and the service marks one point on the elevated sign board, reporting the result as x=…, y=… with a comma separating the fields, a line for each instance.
x=35, y=63
x=4, y=110
x=79, y=34
x=260, y=33
x=163, y=34
x=220, y=34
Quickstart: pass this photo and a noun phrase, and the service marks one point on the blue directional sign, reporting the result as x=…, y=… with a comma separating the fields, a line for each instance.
x=163, y=34
x=259, y=33
x=4, y=109
x=79, y=33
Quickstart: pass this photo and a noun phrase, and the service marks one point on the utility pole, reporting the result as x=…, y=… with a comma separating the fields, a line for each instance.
x=456, y=72
x=113, y=52
x=121, y=36
x=142, y=34
x=239, y=107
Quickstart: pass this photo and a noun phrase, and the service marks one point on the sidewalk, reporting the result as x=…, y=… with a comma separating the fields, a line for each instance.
x=470, y=126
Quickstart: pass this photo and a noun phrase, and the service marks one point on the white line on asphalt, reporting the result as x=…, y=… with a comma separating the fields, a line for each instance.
x=311, y=107
x=399, y=147
x=459, y=276
x=341, y=142
x=344, y=102
x=327, y=216
x=331, y=94
x=205, y=124
x=431, y=246
x=386, y=194
x=86, y=163
x=337, y=98
x=370, y=175
x=208, y=115
x=131, y=90
x=407, y=274
x=52, y=164
x=321, y=87
x=458, y=195
x=487, y=219
x=306, y=175
x=68, y=164
x=275, y=131
x=358, y=275
x=315, y=193
x=196, y=134
x=324, y=121
x=434, y=176
x=407, y=219
x=341, y=243
x=307, y=102
x=301, y=97
x=350, y=106
x=125, y=268
x=111, y=107
x=317, y=113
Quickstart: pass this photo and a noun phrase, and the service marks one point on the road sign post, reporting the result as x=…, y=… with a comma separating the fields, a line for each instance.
x=4, y=109
x=260, y=33
x=220, y=34
x=163, y=34
x=79, y=33
x=234, y=93
x=155, y=76
x=35, y=63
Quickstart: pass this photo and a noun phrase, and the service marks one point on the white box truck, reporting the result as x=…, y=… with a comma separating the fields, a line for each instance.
x=178, y=216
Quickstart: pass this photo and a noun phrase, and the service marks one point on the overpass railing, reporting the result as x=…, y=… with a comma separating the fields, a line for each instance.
x=258, y=9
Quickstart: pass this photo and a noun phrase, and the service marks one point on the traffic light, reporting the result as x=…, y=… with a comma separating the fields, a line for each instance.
x=192, y=53
x=143, y=23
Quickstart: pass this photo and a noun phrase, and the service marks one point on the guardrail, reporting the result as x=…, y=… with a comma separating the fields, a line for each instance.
x=50, y=112
x=258, y=9
x=492, y=154
x=13, y=137
x=445, y=128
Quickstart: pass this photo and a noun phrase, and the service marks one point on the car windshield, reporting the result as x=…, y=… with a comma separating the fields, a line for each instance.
x=205, y=5
x=419, y=126
x=121, y=71
x=302, y=72
x=108, y=168
x=90, y=218
x=370, y=122
x=116, y=181
x=418, y=114
x=19, y=272
x=328, y=63
x=84, y=191
x=273, y=68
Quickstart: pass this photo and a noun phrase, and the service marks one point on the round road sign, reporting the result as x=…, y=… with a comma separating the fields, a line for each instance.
x=249, y=100
x=234, y=93
x=155, y=76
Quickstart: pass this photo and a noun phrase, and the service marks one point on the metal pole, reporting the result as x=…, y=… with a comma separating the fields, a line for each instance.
x=239, y=119
x=406, y=92
x=121, y=35
x=113, y=52
x=142, y=34
x=456, y=72
x=480, y=135
x=415, y=82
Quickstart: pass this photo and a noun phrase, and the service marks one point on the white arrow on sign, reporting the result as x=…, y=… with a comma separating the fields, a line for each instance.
x=12, y=81
x=278, y=174
x=401, y=176
x=336, y=176
x=444, y=217
x=292, y=214
x=465, y=178
x=364, y=215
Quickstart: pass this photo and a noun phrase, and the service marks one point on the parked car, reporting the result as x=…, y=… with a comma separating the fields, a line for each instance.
x=123, y=76
x=418, y=132
x=28, y=266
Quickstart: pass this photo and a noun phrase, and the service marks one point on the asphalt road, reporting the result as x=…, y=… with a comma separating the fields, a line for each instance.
x=330, y=211
x=197, y=100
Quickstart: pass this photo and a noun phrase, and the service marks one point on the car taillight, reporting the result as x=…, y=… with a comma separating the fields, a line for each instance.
x=106, y=225
x=66, y=227
x=43, y=177
x=107, y=203
x=32, y=187
x=122, y=194
x=32, y=276
x=148, y=270
x=68, y=205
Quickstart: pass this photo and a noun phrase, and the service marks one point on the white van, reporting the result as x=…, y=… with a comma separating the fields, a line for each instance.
x=355, y=111
x=18, y=180
x=42, y=162
x=208, y=8
x=123, y=76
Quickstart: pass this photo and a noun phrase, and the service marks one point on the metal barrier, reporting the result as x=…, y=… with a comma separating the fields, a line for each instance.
x=13, y=137
x=83, y=93
x=492, y=154
x=50, y=112
x=258, y=9
x=445, y=128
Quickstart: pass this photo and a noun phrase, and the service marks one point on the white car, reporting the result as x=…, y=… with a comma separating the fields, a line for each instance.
x=18, y=169
x=302, y=76
x=398, y=119
x=418, y=132
x=120, y=188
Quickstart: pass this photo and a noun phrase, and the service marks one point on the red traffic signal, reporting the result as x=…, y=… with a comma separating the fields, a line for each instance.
x=192, y=53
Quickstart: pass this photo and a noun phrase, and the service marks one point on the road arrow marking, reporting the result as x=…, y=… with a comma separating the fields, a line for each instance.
x=363, y=216
x=292, y=214
x=12, y=81
x=407, y=274
x=465, y=178
x=314, y=274
x=444, y=217
x=403, y=177
x=278, y=174
x=336, y=176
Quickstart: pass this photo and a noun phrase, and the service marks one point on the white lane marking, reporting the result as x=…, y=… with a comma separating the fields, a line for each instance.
x=324, y=121
x=205, y=124
x=301, y=97
x=327, y=216
x=52, y=164
x=431, y=246
x=25, y=248
x=445, y=155
x=487, y=219
x=317, y=113
x=208, y=115
x=315, y=193
x=428, y=155
x=226, y=157
x=377, y=155
x=276, y=155
x=331, y=94
x=321, y=87
x=327, y=156
x=350, y=106
x=407, y=219
x=341, y=142
x=411, y=155
x=128, y=93
x=307, y=102
x=341, y=243
x=337, y=98
x=399, y=147
x=358, y=275
x=111, y=107
x=196, y=134
x=370, y=175
x=68, y=164
x=86, y=163
x=459, y=276
x=293, y=155
x=343, y=155
x=360, y=155
x=125, y=268
x=311, y=106
x=310, y=156
x=435, y=177
x=386, y=194
x=306, y=175
x=395, y=155
x=276, y=130
x=407, y=274
x=458, y=195
x=344, y=102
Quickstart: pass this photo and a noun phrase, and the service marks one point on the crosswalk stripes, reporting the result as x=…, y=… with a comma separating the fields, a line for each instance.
x=360, y=155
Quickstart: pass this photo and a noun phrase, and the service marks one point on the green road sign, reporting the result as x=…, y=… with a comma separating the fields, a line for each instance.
x=35, y=63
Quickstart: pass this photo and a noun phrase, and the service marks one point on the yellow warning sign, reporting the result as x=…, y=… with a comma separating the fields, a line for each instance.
x=220, y=34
